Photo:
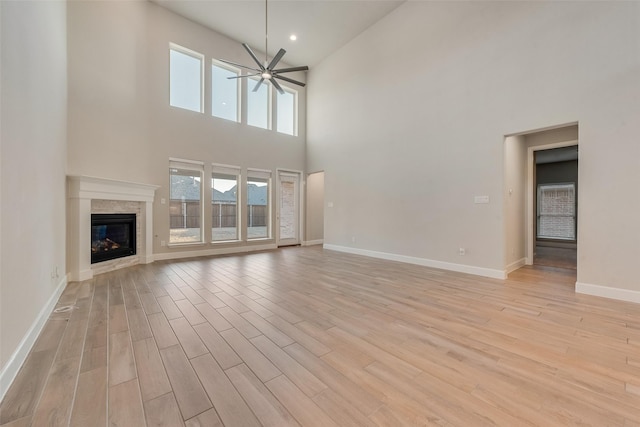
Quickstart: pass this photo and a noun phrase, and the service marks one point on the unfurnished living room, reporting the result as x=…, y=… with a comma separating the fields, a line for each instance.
x=319, y=213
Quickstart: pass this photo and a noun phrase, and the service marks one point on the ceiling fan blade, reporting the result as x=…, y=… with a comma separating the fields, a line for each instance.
x=255, y=89
x=240, y=76
x=286, y=79
x=289, y=70
x=238, y=65
x=276, y=59
x=277, y=86
x=253, y=55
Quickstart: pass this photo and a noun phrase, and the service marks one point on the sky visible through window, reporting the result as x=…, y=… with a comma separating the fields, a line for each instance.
x=258, y=104
x=224, y=93
x=286, y=115
x=185, y=79
x=222, y=184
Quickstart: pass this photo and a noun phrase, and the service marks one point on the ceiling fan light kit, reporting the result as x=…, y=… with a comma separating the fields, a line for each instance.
x=267, y=71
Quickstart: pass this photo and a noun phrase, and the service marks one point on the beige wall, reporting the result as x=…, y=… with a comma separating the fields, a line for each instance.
x=120, y=123
x=33, y=165
x=315, y=207
x=515, y=193
x=414, y=112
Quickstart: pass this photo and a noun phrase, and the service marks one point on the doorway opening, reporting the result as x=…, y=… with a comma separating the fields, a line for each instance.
x=556, y=207
x=541, y=204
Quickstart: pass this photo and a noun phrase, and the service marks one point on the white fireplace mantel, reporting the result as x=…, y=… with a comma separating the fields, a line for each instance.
x=81, y=191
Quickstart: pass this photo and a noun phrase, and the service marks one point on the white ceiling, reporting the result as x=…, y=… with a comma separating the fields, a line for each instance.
x=322, y=26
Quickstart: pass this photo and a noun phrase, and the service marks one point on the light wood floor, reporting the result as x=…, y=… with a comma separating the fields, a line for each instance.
x=305, y=336
x=556, y=257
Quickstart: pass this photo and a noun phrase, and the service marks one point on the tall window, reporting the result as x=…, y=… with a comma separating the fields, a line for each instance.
x=287, y=108
x=185, y=201
x=557, y=211
x=258, y=104
x=225, y=212
x=225, y=92
x=185, y=78
x=258, y=206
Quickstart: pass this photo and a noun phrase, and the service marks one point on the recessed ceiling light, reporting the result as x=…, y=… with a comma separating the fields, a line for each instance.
x=293, y=37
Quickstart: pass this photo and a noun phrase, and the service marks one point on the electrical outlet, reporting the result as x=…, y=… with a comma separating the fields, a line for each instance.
x=353, y=239
x=462, y=251
x=163, y=243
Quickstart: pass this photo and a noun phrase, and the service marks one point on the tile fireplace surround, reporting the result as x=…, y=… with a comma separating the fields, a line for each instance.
x=85, y=195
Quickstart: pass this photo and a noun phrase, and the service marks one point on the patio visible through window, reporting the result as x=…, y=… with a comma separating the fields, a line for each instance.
x=224, y=204
x=185, y=207
x=258, y=208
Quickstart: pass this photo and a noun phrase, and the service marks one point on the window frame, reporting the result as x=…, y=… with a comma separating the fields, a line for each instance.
x=540, y=190
x=265, y=175
x=194, y=166
x=236, y=171
x=238, y=72
x=197, y=55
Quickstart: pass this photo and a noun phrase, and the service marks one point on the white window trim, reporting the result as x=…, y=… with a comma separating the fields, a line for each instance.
x=195, y=166
x=217, y=168
x=263, y=174
x=194, y=54
x=555, y=186
x=186, y=164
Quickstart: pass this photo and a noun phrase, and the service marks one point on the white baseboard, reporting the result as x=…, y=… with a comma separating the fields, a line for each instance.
x=214, y=251
x=608, y=292
x=313, y=242
x=515, y=265
x=19, y=356
x=461, y=268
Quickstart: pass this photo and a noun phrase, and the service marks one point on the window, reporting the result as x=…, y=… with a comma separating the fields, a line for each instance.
x=258, y=104
x=287, y=117
x=225, y=212
x=225, y=92
x=557, y=211
x=258, y=206
x=185, y=78
x=185, y=201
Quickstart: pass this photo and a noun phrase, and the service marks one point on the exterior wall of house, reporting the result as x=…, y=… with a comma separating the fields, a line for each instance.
x=33, y=173
x=415, y=111
x=121, y=125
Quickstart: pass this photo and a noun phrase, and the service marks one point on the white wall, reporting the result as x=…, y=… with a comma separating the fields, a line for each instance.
x=408, y=123
x=33, y=166
x=120, y=123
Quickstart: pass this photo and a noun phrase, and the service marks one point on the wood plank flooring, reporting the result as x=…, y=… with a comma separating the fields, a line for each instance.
x=311, y=337
x=556, y=257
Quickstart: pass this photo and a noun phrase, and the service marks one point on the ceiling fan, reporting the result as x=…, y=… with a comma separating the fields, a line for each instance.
x=268, y=70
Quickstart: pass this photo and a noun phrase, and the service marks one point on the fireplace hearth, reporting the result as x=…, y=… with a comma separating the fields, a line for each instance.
x=112, y=236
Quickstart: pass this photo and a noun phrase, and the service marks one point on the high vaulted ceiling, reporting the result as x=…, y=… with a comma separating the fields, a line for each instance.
x=322, y=26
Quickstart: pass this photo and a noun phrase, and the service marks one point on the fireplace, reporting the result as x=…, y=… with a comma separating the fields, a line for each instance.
x=112, y=236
